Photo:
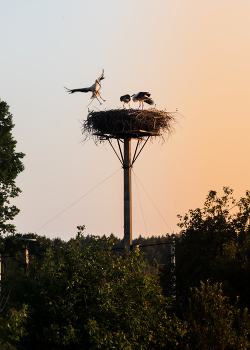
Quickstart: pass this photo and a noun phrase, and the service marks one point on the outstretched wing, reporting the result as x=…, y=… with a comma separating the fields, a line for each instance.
x=101, y=77
x=78, y=90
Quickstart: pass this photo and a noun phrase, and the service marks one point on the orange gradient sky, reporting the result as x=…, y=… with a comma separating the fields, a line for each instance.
x=191, y=55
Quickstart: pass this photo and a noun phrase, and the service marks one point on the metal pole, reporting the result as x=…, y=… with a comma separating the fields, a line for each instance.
x=25, y=254
x=127, y=193
x=172, y=266
x=0, y=272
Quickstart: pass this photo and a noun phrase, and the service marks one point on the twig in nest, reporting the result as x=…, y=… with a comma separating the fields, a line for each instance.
x=117, y=120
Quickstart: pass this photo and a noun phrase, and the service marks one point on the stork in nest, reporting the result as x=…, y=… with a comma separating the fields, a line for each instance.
x=95, y=89
x=142, y=97
x=125, y=99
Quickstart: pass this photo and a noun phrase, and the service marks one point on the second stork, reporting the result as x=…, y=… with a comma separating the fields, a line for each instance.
x=142, y=97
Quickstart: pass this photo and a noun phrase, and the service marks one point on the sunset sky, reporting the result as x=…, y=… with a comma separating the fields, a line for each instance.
x=189, y=54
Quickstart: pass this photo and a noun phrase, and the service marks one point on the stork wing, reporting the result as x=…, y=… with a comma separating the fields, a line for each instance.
x=125, y=98
x=143, y=94
x=149, y=101
x=78, y=90
x=101, y=77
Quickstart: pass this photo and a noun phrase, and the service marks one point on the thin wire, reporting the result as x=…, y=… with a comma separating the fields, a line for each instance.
x=234, y=205
x=142, y=246
x=89, y=103
x=150, y=245
x=140, y=204
x=78, y=200
x=152, y=202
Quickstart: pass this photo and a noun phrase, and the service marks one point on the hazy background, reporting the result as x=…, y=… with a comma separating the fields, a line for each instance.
x=189, y=54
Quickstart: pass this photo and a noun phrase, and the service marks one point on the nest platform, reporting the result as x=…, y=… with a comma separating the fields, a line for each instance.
x=127, y=123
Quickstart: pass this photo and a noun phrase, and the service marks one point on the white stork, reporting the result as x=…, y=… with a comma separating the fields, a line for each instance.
x=125, y=99
x=142, y=97
x=95, y=89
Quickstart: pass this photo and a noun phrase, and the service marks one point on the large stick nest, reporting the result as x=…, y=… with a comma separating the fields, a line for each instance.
x=115, y=121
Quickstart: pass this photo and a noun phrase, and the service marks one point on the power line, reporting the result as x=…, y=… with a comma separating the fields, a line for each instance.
x=152, y=202
x=234, y=205
x=78, y=200
x=144, y=245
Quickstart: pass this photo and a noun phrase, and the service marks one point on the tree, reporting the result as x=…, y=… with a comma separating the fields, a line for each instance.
x=213, y=323
x=12, y=325
x=10, y=167
x=214, y=244
x=89, y=298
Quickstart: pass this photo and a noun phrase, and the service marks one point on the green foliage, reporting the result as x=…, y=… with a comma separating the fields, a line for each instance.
x=89, y=298
x=10, y=167
x=214, y=244
x=213, y=323
x=10, y=246
x=12, y=324
x=155, y=253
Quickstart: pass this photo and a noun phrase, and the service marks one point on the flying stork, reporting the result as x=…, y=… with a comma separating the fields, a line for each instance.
x=95, y=89
x=142, y=97
x=125, y=99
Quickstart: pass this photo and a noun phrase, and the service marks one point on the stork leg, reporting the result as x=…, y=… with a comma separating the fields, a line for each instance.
x=98, y=100
x=102, y=98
